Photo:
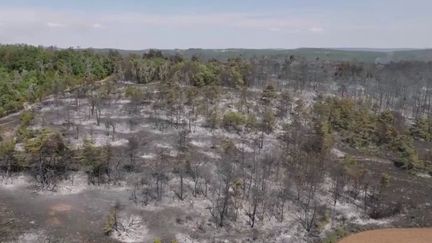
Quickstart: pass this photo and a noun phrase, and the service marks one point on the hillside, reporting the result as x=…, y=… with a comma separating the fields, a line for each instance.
x=171, y=148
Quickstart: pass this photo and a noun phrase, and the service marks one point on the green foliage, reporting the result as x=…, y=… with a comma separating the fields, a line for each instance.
x=361, y=128
x=325, y=137
x=25, y=118
x=353, y=121
x=203, y=74
x=7, y=155
x=151, y=68
x=228, y=147
x=48, y=155
x=90, y=156
x=7, y=148
x=268, y=95
x=211, y=92
x=268, y=121
x=111, y=222
x=23, y=133
x=404, y=147
x=234, y=120
x=386, y=133
x=146, y=69
x=322, y=122
x=385, y=180
x=353, y=169
x=47, y=141
x=95, y=161
x=28, y=73
x=134, y=93
x=251, y=122
x=336, y=235
x=342, y=113
x=324, y=220
x=422, y=129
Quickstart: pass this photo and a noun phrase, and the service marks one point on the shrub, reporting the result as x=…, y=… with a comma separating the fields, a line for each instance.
x=269, y=93
x=334, y=236
x=408, y=158
x=25, y=118
x=213, y=119
x=233, y=120
x=23, y=133
x=95, y=162
x=7, y=156
x=422, y=129
x=268, y=121
x=111, y=222
x=251, y=122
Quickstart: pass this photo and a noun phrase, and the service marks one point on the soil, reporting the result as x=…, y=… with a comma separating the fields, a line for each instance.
x=423, y=235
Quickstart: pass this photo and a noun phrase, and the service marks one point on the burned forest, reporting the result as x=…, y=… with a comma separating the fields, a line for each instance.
x=164, y=146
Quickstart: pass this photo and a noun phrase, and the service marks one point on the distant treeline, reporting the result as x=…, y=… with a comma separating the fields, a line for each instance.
x=359, y=55
x=29, y=73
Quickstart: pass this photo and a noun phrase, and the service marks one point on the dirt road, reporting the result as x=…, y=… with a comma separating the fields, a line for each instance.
x=391, y=236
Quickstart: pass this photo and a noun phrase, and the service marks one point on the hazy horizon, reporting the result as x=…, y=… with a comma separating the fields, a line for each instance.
x=373, y=49
x=273, y=24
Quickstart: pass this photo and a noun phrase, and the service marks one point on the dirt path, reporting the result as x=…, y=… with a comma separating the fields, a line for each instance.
x=9, y=124
x=423, y=235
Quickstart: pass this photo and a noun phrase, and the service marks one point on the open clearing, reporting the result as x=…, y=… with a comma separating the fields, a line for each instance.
x=391, y=236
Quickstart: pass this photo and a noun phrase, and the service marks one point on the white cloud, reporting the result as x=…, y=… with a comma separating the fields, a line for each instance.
x=97, y=26
x=55, y=25
x=99, y=20
x=41, y=26
x=274, y=29
x=36, y=25
x=316, y=29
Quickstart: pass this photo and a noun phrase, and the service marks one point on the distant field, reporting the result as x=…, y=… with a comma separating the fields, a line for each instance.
x=391, y=236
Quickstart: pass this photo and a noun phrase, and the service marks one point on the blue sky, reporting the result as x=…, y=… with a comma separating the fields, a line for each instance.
x=133, y=24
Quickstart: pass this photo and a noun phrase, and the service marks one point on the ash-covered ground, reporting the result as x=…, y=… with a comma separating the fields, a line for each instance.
x=233, y=186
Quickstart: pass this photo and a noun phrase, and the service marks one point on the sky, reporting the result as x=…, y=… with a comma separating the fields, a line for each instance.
x=169, y=24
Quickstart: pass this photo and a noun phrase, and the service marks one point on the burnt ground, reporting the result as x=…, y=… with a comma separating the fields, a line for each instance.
x=80, y=216
x=406, y=200
x=412, y=191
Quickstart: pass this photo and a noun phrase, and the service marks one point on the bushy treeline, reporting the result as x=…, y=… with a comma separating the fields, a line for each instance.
x=28, y=73
x=153, y=66
x=362, y=128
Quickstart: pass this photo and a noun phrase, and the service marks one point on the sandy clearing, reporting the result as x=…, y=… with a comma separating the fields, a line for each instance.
x=61, y=207
x=420, y=235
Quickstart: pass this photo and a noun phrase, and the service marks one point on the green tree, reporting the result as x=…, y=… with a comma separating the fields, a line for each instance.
x=49, y=157
x=7, y=157
x=234, y=120
x=95, y=162
x=268, y=95
x=422, y=129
